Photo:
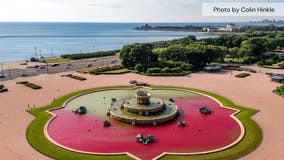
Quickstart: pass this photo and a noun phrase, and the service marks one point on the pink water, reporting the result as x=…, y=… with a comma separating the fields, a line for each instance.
x=202, y=133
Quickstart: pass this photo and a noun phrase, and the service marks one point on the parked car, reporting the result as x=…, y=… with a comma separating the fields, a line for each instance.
x=68, y=64
x=114, y=61
x=133, y=82
x=42, y=67
x=89, y=65
x=67, y=67
x=55, y=65
x=23, y=74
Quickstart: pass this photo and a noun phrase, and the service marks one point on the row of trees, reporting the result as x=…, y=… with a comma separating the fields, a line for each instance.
x=249, y=46
x=195, y=54
x=175, y=58
x=188, y=53
x=78, y=56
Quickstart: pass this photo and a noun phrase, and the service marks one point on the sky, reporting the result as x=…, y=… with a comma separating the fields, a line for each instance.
x=112, y=11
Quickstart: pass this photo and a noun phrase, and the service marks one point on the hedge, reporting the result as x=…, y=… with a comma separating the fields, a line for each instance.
x=242, y=75
x=101, y=70
x=3, y=89
x=279, y=91
x=168, y=74
x=30, y=85
x=75, y=77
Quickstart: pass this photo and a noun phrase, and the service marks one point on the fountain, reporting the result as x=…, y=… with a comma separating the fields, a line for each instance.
x=143, y=110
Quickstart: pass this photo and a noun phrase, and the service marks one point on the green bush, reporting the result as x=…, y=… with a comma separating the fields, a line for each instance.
x=242, y=75
x=139, y=68
x=101, y=70
x=32, y=86
x=281, y=65
x=279, y=90
x=118, y=71
x=169, y=74
x=3, y=89
x=166, y=70
x=22, y=82
x=75, y=77
x=176, y=70
x=154, y=70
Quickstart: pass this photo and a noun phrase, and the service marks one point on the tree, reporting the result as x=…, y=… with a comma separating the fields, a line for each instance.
x=132, y=55
x=139, y=68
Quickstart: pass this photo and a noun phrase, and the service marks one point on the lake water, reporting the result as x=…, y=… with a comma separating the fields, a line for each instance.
x=21, y=41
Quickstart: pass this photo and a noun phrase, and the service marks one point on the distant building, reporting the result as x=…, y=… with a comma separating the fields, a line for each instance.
x=231, y=27
x=210, y=29
x=144, y=27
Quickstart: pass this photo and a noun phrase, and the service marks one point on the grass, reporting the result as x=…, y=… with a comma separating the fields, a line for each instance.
x=65, y=60
x=30, y=85
x=37, y=139
x=242, y=75
x=56, y=60
x=118, y=71
x=279, y=91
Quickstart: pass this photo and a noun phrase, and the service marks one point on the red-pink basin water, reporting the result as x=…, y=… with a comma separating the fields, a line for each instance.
x=202, y=133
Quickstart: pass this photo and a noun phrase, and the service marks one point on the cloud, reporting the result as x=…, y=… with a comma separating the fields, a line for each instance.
x=106, y=10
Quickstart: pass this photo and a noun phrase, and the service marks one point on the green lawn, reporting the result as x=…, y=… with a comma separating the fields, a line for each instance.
x=118, y=71
x=57, y=60
x=38, y=141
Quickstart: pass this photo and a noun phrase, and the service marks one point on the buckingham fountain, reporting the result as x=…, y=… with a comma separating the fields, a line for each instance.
x=143, y=109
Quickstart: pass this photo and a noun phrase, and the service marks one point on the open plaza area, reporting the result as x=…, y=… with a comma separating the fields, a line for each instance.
x=86, y=133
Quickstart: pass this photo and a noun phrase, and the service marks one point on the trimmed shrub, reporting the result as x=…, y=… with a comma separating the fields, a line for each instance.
x=166, y=70
x=242, y=75
x=154, y=70
x=101, y=70
x=32, y=86
x=176, y=70
x=22, y=82
x=279, y=91
x=281, y=65
x=75, y=77
x=3, y=89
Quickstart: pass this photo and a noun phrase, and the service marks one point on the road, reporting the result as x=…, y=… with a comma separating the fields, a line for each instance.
x=61, y=67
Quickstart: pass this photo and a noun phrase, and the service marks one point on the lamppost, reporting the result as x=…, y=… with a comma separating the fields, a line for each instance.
x=35, y=51
x=51, y=52
x=2, y=75
x=9, y=71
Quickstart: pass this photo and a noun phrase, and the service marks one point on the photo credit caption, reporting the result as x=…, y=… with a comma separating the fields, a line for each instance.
x=243, y=9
